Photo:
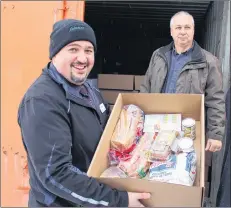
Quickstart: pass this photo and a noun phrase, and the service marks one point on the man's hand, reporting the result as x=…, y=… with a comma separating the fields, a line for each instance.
x=133, y=199
x=213, y=145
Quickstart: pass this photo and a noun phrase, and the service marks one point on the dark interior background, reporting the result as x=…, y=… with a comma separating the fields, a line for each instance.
x=128, y=32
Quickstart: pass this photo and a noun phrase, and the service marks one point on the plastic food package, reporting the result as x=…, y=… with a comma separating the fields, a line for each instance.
x=138, y=165
x=158, y=122
x=127, y=133
x=178, y=169
x=161, y=147
x=113, y=172
x=116, y=156
x=129, y=128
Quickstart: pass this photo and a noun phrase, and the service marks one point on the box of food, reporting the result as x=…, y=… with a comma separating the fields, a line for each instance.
x=168, y=194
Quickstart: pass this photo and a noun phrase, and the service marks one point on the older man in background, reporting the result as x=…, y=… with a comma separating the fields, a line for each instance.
x=184, y=67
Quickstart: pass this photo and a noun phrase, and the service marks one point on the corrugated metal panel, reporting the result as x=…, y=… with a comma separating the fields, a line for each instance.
x=225, y=52
x=216, y=37
x=152, y=11
x=217, y=41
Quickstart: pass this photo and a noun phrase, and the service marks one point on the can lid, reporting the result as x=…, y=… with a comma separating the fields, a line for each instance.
x=188, y=122
x=185, y=143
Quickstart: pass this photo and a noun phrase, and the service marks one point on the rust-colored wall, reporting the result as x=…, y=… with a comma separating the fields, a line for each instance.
x=25, y=28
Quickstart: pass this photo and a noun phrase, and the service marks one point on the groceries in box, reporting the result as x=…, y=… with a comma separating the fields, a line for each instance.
x=152, y=147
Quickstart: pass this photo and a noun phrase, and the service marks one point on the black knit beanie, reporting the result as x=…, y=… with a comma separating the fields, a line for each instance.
x=69, y=30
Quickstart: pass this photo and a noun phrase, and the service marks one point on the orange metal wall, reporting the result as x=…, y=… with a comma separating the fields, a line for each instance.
x=25, y=29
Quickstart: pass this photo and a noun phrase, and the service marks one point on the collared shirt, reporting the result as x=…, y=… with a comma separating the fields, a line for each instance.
x=83, y=91
x=176, y=62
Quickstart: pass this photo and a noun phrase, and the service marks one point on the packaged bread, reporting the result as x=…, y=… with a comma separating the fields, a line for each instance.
x=138, y=165
x=161, y=147
x=129, y=128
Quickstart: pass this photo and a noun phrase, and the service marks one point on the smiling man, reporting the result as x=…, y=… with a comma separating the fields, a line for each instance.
x=62, y=117
x=184, y=67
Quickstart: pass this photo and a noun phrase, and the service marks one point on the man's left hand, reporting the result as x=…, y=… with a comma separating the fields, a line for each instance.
x=213, y=145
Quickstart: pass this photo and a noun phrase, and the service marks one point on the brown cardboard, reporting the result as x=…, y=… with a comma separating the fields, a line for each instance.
x=163, y=194
x=138, y=82
x=116, y=81
x=110, y=96
x=111, y=107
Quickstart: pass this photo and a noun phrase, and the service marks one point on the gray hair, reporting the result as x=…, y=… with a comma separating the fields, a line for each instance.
x=179, y=13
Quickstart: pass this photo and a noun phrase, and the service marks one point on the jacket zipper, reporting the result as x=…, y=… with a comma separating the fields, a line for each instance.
x=162, y=56
x=97, y=117
x=190, y=62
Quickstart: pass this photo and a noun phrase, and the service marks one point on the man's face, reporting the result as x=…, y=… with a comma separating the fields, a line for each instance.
x=75, y=61
x=182, y=30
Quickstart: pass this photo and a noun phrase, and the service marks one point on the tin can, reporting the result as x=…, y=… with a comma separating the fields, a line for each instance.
x=189, y=128
x=186, y=144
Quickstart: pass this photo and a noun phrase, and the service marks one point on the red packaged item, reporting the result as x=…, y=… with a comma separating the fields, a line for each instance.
x=127, y=133
x=116, y=156
x=138, y=165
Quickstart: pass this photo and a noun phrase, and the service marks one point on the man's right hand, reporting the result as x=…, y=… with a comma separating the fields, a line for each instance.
x=133, y=199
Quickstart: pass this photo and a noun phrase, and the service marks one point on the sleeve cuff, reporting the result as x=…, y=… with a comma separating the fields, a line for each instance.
x=210, y=135
x=124, y=199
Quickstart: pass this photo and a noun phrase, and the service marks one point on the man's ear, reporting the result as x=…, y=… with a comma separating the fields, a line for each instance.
x=171, y=31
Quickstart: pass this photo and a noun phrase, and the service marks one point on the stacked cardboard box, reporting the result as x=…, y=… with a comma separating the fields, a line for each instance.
x=138, y=82
x=111, y=85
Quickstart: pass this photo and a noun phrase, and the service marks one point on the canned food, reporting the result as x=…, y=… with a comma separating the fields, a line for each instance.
x=189, y=128
x=186, y=144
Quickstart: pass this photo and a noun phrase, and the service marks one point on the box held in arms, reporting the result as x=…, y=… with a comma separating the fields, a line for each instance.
x=162, y=193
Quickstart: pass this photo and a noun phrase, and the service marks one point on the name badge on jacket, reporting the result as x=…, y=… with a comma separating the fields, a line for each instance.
x=102, y=108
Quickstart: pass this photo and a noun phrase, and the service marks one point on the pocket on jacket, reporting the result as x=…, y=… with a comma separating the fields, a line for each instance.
x=198, y=81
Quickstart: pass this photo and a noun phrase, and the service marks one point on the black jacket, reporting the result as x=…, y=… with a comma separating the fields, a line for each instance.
x=61, y=130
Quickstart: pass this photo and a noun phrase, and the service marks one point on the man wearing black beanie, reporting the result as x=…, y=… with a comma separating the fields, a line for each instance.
x=62, y=117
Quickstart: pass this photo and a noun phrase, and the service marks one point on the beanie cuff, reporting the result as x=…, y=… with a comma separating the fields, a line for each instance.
x=75, y=31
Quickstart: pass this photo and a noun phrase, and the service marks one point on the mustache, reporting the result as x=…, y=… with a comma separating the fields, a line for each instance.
x=79, y=63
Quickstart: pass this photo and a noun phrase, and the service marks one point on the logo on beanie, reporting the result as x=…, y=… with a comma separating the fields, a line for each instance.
x=73, y=28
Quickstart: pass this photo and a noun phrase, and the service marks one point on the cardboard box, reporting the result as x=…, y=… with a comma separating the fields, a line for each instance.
x=138, y=81
x=111, y=107
x=116, y=81
x=163, y=194
x=110, y=96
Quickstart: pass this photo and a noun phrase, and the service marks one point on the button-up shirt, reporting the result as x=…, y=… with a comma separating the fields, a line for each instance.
x=177, y=62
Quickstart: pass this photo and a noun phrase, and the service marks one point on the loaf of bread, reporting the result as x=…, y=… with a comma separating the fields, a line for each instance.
x=128, y=129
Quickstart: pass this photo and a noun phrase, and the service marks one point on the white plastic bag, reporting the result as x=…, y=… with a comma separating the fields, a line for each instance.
x=178, y=169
